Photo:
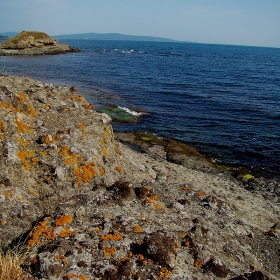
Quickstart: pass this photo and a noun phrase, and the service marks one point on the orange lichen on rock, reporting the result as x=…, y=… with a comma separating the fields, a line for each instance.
x=24, y=155
x=101, y=171
x=22, y=127
x=22, y=99
x=82, y=277
x=164, y=272
x=79, y=98
x=67, y=219
x=109, y=251
x=81, y=127
x=2, y=222
x=119, y=169
x=88, y=106
x=22, y=142
x=114, y=237
x=85, y=173
x=37, y=232
x=138, y=229
x=201, y=193
x=198, y=263
x=185, y=188
x=2, y=127
x=9, y=193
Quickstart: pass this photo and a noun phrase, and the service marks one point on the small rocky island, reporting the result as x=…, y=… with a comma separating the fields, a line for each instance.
x=33, y=43
x=87, y=206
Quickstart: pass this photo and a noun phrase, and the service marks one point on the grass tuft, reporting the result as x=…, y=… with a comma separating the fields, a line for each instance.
x=10, y=265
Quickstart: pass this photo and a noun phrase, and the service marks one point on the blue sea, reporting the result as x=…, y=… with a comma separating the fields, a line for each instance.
x=222, y=100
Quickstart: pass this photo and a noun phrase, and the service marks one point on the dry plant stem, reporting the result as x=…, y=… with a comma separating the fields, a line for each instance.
x=10, y=266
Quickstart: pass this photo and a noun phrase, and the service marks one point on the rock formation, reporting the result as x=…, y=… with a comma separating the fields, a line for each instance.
x=90, y=207
x=33, y=43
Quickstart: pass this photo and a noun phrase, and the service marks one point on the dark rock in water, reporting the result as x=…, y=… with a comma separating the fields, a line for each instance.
x=33, y=43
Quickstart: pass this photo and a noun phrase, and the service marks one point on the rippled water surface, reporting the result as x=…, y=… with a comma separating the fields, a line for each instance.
x=223, y=100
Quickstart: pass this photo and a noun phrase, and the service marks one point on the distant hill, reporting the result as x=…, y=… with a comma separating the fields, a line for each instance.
x=8, y=34
x=112, y=36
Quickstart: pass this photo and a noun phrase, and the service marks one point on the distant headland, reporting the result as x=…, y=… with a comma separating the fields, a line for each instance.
x=105, y=36
x=33, y=43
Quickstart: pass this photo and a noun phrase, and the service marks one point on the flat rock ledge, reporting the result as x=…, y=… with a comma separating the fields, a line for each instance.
x=90, y=207
x=33, y=43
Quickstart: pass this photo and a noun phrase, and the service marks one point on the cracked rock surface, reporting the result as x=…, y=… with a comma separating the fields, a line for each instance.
x=90, y=207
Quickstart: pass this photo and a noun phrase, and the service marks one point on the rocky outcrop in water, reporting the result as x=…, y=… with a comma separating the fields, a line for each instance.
x=90, y=207
x=33, y=43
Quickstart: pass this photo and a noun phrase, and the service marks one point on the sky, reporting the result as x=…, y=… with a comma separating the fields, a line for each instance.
x=232, y=22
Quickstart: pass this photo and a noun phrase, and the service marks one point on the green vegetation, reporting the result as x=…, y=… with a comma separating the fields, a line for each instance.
x=119, y=115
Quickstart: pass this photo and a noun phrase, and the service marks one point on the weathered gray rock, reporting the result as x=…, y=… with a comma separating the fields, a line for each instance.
x=93, y=208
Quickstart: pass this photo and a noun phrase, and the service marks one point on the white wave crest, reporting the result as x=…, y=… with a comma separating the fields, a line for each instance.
x=133, y=113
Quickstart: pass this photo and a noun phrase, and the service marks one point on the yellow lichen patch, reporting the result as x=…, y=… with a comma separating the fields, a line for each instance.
x=138, y=229
x=9, y=193
x=109, y=251
x=82, y=127
x=119, y=169
x=2, y=127
x=32, y=192
x=82, y=277
x=158, y=206
x=142, y=216
x=67, y=219
x=44, y=153
x=104, y=151
x=107, y=237
x=34, y=161
x=22, y=142
x=117, y=149
x=49, y=139
x=182, y=234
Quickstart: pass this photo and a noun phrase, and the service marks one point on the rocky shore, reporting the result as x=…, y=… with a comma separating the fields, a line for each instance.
x=33, y=43
x=91, y=204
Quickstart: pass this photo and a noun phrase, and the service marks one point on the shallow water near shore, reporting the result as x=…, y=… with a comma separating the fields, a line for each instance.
x=222, y=100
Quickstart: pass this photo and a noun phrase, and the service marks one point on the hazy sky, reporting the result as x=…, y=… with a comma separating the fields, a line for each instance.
x=238, y=22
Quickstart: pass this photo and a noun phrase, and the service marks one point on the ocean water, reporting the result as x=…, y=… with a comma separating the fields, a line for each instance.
x=222, y=100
